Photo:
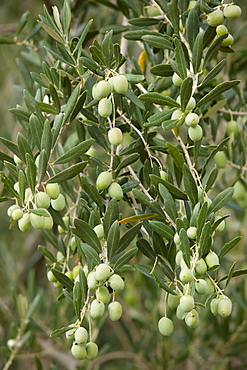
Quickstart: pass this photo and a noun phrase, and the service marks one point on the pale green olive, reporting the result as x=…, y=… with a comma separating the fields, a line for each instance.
x=53, y=190
x=187, y=303
x=81, y=335
x=79, y=351
x=102, y=272
x=97, y=309
x=115, y=311
x=116, y=282
x=92, y=350
x=165, y=326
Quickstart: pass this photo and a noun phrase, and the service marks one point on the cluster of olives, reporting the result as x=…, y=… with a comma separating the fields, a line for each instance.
x=81, y=348
x=37, y=216
x=191, y=119
x=217, y=17
x=102, y=89
x=192, y=283
x=101, y=281
x=104, y=181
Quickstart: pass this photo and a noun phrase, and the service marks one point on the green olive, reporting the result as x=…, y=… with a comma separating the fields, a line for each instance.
x=195, y=133
x=120, y=84
x=105, y=107
x=115, y=191
x=201, y=286
x=165, y=326
x=102, y=272
x=115, y=311
x=192, y=319
x=116, y=282
x=42, y=200
x=192, y=119
x=79, y=351
x=92, y=350
x=187, y=303
x=220, y=159
x=212, y=259
x=232, y=12
x=97, y=309
x=59, y=203
x=115, y=136
x=215, y=18
x=81, y=335
x=104, y=180
x=53, y=190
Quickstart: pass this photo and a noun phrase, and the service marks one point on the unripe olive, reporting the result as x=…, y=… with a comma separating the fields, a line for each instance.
x=105, y=107
x=92, y=350
x=60, y=257
x=191, y=104
x=221, y=30
x=221, y=226
x=42, y=200
x=187, y=303
x=177, y=241
x=176, y=79
x=186, y=275
x=232, y=12
x=17, y=187
x=220, y=159
x=81, y=335
x=102, y=272
x=76, y=271
x=214, y=306
x=192, y=319
x=48, y=223
x=97, y=309
x=115, y=191
x=212, y=259
x=215, y=18
x=163, y=175
x=191, y=232
x=180, y=313
x=51, y=277
x=192, y=4
x=224, y=307
x=165, y=326
x=173, y=301
x=115, y=136
x=17, y=214
x=232, y=127
x=92, y=152
x=70, y=333
x=59, y=203
x=102, y=294
x=116, y=282
x=211, y=287
x=239, y=190
x=11, y=209
x=195, y=133
x=178, y=114
x=120, y=84
x=79, y=351
x=152, y=11
x=53, y=190
x=201, y=286
x=37, y=221
x=69, y=274
x=201, y=267
x=17, y=160
x=92, y=282
x=179, y=257
x=102, y=89
x=192, y=119
x=104, y=180
x=24, y=223
x=227, y=41
x=115, y=311
x=73, y=244
x=28, y=195
x=99, y=230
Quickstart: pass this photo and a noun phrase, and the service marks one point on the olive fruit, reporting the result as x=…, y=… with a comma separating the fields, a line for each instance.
x=78, y=351
x=201, y=267
x=48, y=223
x=17, y=214
x=227, y=41
x=17, y=187
x=220, y=159
x=59, y=203
x=97, y=309
x=115, y=136
x=224, y=307
x=186, y=275
x=102, y=272
x=37, y=221
x=191, y=104
x=120, y=84
x=24, y=223
x=176, y=79
x=99, y=230
x=70, y=333
x=69, y=273
x=212, y=259
x=179, y=257
x=180, y=312
x=179, y=115
x=152, y=11
x=104, y=180
x=115, y=191
x=173, y=301
x=11, y=209
x=17, y=160
x=42, y=200
x=192, y=319
x=165, y=326
x=215, y=18
x=211, y=287
x=116, y=282
x=28, y=195
x=187, y=303
x=191, y=232
x=102, y=294
x=102, y=90
x=201, y=286
x=239, y=190
x=214, y=306
x=92, y=282
x=232, y=12
x=164, y=175
x=92, y=350
x=232, y=127
x=176, y=240
x=195, y=133
x=105, y=107
x=115, y=311
x=221, y=30
x=192, y=119
x=53, y=190
x=51, y=277
x=221, y=226
x=81, y=335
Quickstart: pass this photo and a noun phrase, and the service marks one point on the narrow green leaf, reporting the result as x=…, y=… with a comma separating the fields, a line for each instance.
x=83, y=35
x=164, y=70
x=221, y=200
x=47, y=108
x=145, y=270
x=173, y=14
x=217, y=91
x=146, y=249
x=185, y=92
x=213, y=49
x=55, y=98
x=166, y=267
x=87, y=234
x=22, y=184
x=42, y=165
x=51, y=32
x=176, y=155
x=32, y=105
x=66, y=16
x=8, y=185
x=162, y=229
x=197, y=52
x=68, y=173
x=205, y=239
x=6, y=40
x=212, y=154
x=175, y=192
x=161, y=282
x=63, y=279
x=23, y=147
x=132, y=158
x=230, y=274
x=90, y=253
x=134, y=99
x=158, y=118
x=138, y=34
x=40, y=212
x=145, y=22
x=128, y=237
x=77, y=298
x=214, y=72
x=33, y=306
x=185, y=246
x=192, y=27
x=46, y=253
x=126, y=257
x=113, y=239
x=97, y=54
x=71, y=103
x=46, y=140
x=180, y=59
x=190, y=185
x=57, y=126
x=201, y=220
x=31, y=172
x=111, y=214
x=169, y=203
x=139, y=217
x=157, y=98
x=75, y=152
x=229, y=246
x=58, y=57
x=56, y=333
x=92, y=191
x=36, y=130
x=159, y=41
x=50, y=237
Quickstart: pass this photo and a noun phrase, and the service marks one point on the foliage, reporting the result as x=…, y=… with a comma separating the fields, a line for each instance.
x=129, y=216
